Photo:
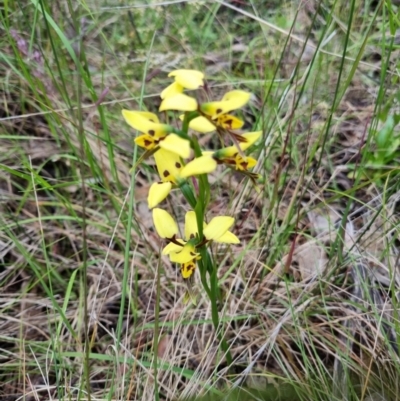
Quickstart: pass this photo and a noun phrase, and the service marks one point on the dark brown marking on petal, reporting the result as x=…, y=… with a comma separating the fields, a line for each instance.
x=192, y=253
x=151, y=132
x=219, y=111
x=178, y=165
x=147, y=142
x=191, y=236
x=166, y=173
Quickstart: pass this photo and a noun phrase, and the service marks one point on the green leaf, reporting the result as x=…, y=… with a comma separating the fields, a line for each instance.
x=384, y=136
x=188, y=193
x=391, y=149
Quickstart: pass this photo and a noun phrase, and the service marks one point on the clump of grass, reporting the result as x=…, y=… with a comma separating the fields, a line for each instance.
x=310, y=299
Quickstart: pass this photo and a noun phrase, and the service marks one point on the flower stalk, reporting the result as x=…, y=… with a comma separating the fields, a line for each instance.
x=183, y=165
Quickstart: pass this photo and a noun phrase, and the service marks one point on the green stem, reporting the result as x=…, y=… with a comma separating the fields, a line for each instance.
x=203, y=276
x=189, y=116
x=206, y=264
x=156, y=329
x=215, y=298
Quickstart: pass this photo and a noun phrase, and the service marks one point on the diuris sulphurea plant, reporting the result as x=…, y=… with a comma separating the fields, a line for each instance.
x=182, y=164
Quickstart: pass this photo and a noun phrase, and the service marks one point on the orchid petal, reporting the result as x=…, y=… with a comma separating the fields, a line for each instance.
x=179, y=102
x=189, y=79
x=158, y=192
x=168, y=165
x=251, y=138
x=236, y=98
x=202, y=125
x=164, y=223
x=228, y=238
x=244, y=163
x=224, y=153
x=217, y=227
x=175, y=144
x=191, y=229
x=231, y=101
x=228, y=121
x=215, y=109
x=187, y=269
x=251, y=162
x=172, y=247
x=146, y=141
x=200, y=165
x=143, y=122
x=171, y=90
x=127, y=114
x=187, y=254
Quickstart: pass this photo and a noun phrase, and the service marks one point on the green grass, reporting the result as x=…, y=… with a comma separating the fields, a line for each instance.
x=85, y=295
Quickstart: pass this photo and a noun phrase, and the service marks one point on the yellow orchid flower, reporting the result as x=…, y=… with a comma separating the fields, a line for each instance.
x=184, y=251
x=233, y=158
x=218, y=113
x=179, y=251
x=173, y=96
x=148, y=124
x=215, y=230
x=171, y=171
x=155, y=134
x=184, y=79
x=231, y=101
x=204, y=126
x=231, y=155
